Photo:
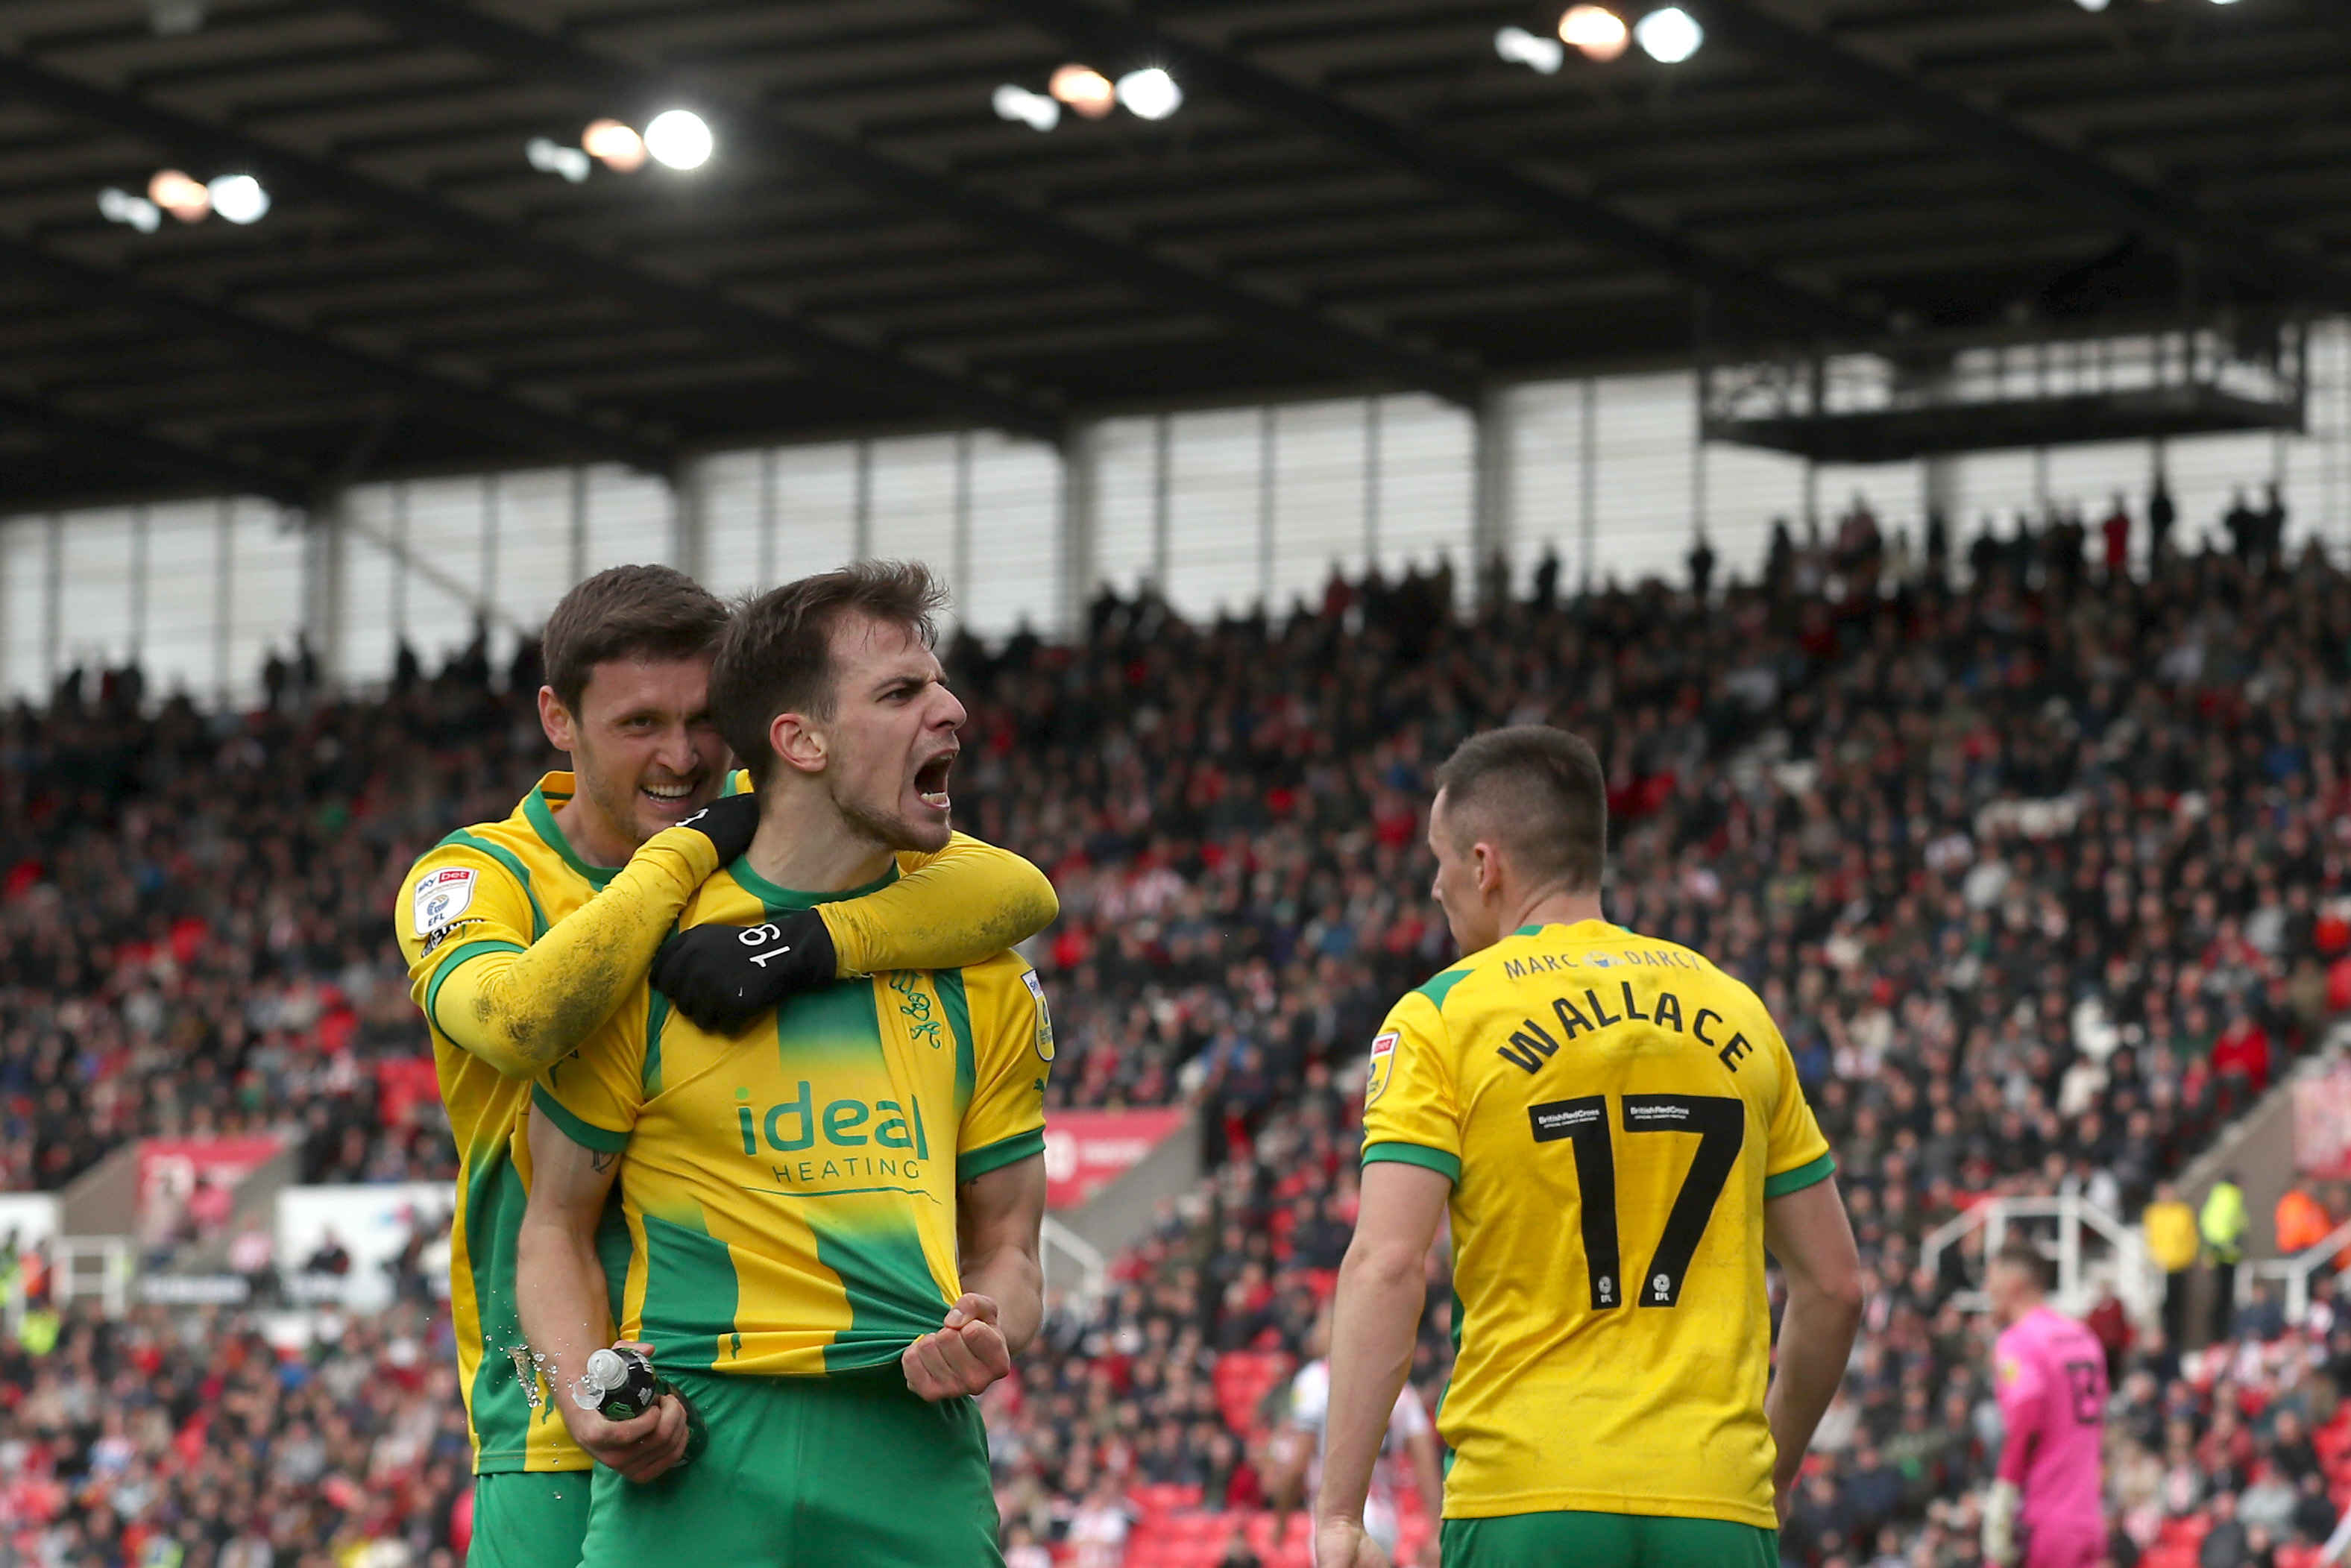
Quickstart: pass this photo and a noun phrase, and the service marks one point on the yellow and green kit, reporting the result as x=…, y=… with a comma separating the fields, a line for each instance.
x=790, y=1200
x=1614, y=1113
x=505, y=920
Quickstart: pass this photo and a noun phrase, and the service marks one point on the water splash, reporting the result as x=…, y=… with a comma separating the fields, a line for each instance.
x=527, y=1374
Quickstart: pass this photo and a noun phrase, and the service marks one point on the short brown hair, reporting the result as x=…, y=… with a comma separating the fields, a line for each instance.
x=627, y=612
x=777, y=655
x=1538, y=793
x=2019, y=1253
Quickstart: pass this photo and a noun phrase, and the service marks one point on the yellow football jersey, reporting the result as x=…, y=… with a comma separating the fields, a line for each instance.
x=1613, y=1112
x=791, y=1193
x=495, y=888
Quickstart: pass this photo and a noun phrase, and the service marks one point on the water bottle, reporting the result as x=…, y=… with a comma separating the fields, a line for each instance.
x=621, y=1385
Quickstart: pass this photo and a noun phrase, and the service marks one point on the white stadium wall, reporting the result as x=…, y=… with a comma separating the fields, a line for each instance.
x=1224, y=509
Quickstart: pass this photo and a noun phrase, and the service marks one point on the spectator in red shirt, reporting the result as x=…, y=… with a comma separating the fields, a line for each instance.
x=2117, y=528
x=2243, y=1050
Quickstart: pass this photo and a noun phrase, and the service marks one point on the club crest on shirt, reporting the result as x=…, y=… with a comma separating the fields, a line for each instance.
x=1044, y=1016
x=1382, y=1059
x=441, y=896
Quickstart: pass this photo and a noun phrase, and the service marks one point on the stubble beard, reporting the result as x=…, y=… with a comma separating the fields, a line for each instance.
x=619, y=807
x=893, y=834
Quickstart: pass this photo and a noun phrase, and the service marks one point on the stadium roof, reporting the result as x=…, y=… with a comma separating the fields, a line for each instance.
x=1356, y=195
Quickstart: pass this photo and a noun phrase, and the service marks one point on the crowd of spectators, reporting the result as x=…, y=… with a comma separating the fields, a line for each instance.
x=2044, y=874
x=190, y=1438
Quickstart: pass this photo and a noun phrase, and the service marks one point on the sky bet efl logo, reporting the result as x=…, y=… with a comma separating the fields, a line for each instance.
x=890, y=1140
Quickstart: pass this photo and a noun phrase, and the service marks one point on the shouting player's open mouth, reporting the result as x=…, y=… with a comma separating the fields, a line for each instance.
x=931, y=780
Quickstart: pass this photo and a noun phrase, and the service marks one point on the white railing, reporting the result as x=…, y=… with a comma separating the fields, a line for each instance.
x=2296, y=1271
x=2135, y=1278
x=110, y=1282
x=1093, y=1269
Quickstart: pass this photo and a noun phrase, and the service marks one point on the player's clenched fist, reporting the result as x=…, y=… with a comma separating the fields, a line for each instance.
x=1341, y=1543
x=964, y=1357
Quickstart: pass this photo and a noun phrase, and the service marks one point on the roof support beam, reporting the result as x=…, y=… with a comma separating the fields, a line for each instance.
x=728, y=320
x=2072, y=176
x=435, y=395
x=196, y=464
x=1491, y=182
x=1351, y=349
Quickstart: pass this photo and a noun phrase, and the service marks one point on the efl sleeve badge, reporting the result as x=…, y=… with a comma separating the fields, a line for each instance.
x=441, y=896
x=1382, y=1059
x=1044, y=1016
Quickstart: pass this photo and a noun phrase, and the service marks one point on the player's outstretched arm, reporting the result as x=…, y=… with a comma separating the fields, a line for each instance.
x=523, y=1011
x=962, y=904
x=560, y=1288
x=1807, y=1230
x=1383, y=1288
x=998, y=1216
x=968, y=902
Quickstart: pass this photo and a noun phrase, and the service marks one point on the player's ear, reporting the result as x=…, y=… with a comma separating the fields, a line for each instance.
x=1489, y=867
x=799, y=741
x=555, y=719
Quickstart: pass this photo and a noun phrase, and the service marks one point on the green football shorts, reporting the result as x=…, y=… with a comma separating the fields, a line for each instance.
x=807, y=1472
x=533, y=1519
x=1605, y=1541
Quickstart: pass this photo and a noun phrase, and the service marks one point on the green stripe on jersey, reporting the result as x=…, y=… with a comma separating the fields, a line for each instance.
x=656, y=1015
x=892, y=1300
x=1438, y=1160
x=449, y=966
x=514, y=868
x=1437, y=990
x=587, y=1134
x=949, y=984
x=1810, y=1174
x=996, y=1155
x=500, y=1403
x=691, y=1293
x=542, y=822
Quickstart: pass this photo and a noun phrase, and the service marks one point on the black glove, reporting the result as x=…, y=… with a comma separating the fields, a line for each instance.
x=728, y=824
x=725, y=977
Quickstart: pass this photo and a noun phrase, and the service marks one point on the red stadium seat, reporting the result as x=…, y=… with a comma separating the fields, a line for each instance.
x=1243, y=1378
x=2188, y=1531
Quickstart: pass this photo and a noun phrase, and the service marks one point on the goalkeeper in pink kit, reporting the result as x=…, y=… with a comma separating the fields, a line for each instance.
x=2047, y=1509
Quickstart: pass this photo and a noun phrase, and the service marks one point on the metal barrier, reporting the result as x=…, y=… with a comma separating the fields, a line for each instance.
x=2136, y=1280
x=1094, y=1270
x=2296, y=1271
x=110, y=1282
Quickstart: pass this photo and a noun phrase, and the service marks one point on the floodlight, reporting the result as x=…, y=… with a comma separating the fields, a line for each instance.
x=619, y=147
x=678, y=138
x=122, y=207
x=171, y=19
x=1150, y=93
x=184, y=198
x=553, y=158
x=1034, y=109
x=239, y=198
x=1669, y=36
x=1084, y=89
x=2091, y=5
x=1597, y=30
x=1521, y=47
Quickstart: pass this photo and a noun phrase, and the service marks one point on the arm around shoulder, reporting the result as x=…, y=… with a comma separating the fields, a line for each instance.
x=959, y=906
x=522, y=1005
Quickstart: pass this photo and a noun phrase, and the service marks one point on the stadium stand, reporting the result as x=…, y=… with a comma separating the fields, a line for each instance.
x=2044, y=878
